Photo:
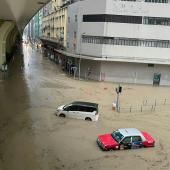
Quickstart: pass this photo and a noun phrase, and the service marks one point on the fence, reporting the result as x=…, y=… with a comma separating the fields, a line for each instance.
x=146, y=106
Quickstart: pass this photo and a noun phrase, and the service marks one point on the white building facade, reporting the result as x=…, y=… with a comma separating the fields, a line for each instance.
x=121, y=41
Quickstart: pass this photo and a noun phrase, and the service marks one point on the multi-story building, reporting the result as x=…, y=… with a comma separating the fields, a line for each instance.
x=34, y=29
x=121, y=41
x=55, y=24
x=47, y=9
x=37, y=27
x=29, y=31
x=40, y=22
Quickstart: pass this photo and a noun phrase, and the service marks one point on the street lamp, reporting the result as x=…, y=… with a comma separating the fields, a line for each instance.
x=118, y=91
x=80, y=53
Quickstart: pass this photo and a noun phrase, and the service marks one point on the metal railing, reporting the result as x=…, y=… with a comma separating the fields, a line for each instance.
x=147, y=105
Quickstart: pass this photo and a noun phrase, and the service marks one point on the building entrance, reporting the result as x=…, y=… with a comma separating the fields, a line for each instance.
x=156, y=79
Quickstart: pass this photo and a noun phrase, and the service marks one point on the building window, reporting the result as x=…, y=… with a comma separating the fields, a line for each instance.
x=126, y=41
x=75, y=18
x=157, y=1
x=74, y=46
x=156, y=21
x=67, y=44
x=68, y=19
x=127, y=19
x=150, y=65
x=75, y=34
x=112, y=18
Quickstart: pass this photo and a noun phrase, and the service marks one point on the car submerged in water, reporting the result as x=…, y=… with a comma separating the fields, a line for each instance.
x=125, y=138
x=79, y=110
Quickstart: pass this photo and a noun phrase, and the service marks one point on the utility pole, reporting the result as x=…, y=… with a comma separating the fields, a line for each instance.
x=79, y=57
x=81, y=36
x=118, y=91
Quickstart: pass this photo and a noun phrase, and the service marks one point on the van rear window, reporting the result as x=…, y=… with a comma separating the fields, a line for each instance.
x=87, y=109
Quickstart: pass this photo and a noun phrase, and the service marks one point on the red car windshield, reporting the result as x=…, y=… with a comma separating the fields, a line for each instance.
x=117, y=136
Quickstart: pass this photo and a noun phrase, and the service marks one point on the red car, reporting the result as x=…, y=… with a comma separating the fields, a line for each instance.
x=126, y=138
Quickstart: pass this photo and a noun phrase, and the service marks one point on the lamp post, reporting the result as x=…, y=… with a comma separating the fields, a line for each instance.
x=80, y=54
x=79, y=64
x=118, y=91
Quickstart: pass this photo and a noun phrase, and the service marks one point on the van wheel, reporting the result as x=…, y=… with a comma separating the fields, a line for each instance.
x=88, y=119
x=62, y=115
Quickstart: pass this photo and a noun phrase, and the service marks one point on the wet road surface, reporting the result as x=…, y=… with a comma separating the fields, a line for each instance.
x=24, y=95
x=28, y=100
x=33, y=138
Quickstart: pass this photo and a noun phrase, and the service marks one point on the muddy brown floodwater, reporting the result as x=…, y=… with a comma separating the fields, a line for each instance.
x=33, y=138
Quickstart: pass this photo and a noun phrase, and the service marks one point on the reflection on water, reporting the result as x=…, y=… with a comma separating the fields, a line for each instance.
x=20, y=92
x=28, y=100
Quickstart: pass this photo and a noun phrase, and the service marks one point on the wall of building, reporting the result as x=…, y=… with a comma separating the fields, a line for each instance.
x=90, y=69
x=134, y=72
x=160, y=32
x=33, y=30
x=40, y=22
x=79, y=8
x=137, y=8
x=75, y=44
x=89, y=7
x=55, y=23
x=129, y=63
x=139, y=54
x=72, y=28
x=47, y=9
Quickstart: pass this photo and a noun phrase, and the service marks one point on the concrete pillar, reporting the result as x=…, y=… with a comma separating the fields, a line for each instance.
x=5, y=29
x=10, y=42
x=2, y=52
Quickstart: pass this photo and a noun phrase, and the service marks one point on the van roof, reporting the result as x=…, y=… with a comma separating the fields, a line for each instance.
x=85, y=103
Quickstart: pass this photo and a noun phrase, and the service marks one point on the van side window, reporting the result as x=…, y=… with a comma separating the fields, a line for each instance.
x=86, y=109
x=90, y=109
x=93, y=109
x=82, y=108
x=72, y=108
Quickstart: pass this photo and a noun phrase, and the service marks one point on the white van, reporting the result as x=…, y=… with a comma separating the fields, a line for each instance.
x=80, y=110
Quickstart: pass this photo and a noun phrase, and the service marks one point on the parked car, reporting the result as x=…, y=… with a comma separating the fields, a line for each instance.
x=80, y=110
x=127, y=138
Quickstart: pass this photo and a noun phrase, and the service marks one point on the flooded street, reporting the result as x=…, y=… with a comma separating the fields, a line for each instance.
x=33, y=138
x=28, y=126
